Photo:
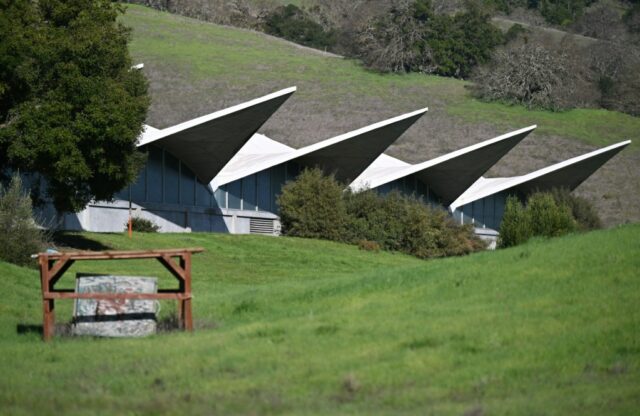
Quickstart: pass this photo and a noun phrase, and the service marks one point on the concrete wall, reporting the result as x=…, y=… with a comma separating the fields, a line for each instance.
x=113, y=217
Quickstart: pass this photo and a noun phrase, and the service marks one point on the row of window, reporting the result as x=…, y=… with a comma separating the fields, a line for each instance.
x=257, y=192
x=165, y=179
x=483, y=213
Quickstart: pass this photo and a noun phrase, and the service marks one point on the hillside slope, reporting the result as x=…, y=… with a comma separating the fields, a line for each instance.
x=289, y=326
x=195, y=68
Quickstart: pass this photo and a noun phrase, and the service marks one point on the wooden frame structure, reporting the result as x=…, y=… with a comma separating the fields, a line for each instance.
x=54, y=265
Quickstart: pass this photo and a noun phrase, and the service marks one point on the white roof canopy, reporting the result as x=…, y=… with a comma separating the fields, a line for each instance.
x=346, y=155
x=206, y=144
x=448, y=175
x=568, y=174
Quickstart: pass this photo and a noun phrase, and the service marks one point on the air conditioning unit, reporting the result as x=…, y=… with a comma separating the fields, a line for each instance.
x=261, y=226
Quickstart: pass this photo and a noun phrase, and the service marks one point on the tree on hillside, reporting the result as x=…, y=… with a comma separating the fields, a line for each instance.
x=292, y=23
x=395, y=42
x=527, y=74
x=413, y=38
x=71, y=108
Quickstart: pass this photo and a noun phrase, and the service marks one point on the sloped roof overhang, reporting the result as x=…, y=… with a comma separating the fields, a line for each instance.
x=568, y=174
x=345, y=156
x=451, y=174
x=206, y=144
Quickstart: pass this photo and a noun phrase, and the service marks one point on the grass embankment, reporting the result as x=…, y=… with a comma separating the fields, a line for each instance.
x=191, y=51
x=301, y=326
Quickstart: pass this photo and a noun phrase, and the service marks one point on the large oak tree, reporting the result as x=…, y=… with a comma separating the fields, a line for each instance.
x=71, y=108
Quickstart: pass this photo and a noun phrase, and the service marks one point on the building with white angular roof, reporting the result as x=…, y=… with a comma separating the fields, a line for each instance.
x=216, y=173
x=483, y=203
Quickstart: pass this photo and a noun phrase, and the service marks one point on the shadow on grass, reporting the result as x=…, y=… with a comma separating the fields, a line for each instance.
x=77, y=241
x=165, y=325
x=63, y=329
x=26, y=329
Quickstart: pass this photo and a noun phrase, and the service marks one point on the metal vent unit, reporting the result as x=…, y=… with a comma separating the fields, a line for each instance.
x=261, y=226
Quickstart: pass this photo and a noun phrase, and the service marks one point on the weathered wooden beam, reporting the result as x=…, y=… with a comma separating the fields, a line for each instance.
x=100, y=296
x=109, y=255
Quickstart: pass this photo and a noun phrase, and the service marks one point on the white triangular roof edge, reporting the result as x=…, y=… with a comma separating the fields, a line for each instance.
x=484, y=187
x=250, y=156
x=151, y=134
x=232, y=172
x=371, y=180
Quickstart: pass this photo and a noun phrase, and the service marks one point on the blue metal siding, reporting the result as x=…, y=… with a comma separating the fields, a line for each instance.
x=278, y=176
x=234, y=190
x=249, y=193
x=203, y=195
x=154, y=175
x=264, y=190
x=187, y=186
x=171, y=179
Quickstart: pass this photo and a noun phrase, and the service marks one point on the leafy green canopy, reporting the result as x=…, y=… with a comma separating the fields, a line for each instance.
x=71, y=108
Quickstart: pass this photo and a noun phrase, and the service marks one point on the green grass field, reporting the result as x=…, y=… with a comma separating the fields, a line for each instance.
x=291, y=326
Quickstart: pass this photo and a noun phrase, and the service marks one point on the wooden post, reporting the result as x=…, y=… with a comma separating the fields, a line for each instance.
x=49, y=320
x=48, y=306
x=186, y=266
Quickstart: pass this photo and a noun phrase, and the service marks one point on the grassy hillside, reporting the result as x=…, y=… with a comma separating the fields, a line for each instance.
x=306, y=327
x=195, y=68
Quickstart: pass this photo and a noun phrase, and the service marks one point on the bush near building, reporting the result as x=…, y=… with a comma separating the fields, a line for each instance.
x=20, y=233
x=313, y=207
x=142, y=225
x=317, y=206
x=582, y=210
x=546, y=214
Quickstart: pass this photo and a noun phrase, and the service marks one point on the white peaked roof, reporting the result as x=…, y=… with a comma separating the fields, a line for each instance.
x=448, y=175
x=568, y=174
x=346, y=155
x=206, y=144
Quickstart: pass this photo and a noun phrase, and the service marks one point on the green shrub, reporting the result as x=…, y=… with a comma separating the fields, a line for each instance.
x=514, y=228
x=543, y=216
x=142, y=225
x=21, y=235
x=316, y=206
x=371, y=217
x=405, y=223
x=312, y=206
x=582, y=210
x=548, y=218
